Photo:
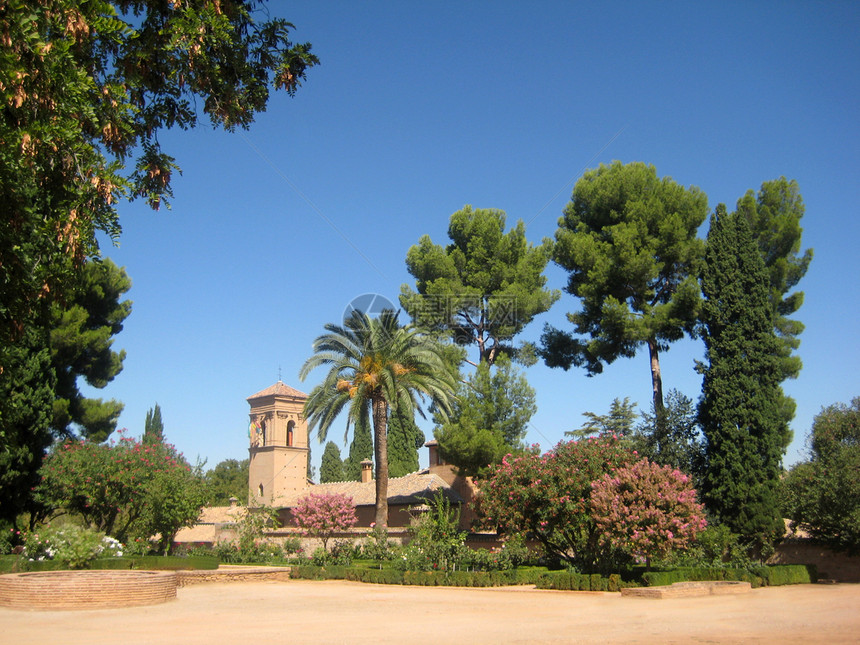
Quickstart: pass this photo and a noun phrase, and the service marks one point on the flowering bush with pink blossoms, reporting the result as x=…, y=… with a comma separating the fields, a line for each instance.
x=548, y=497
x=322, y=515
x=646, y=510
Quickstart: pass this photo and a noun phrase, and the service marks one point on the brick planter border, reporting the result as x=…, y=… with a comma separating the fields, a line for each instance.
x=52, y=590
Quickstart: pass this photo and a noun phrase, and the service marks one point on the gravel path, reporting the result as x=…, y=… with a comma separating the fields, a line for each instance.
x=301, y=611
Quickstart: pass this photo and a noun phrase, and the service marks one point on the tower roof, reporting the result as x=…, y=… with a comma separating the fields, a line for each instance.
x=278, y=389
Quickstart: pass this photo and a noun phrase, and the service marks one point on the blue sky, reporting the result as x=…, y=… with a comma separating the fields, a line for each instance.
x=420, y=108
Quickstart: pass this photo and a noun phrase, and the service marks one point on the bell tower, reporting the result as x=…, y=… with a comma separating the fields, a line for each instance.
x=279, y=446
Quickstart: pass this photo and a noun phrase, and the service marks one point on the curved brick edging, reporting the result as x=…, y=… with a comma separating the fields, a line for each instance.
x=232, y=573
x=688, y=589
x=50, y=590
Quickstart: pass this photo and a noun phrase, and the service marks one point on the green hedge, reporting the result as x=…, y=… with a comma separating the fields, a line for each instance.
x=784, y=574
x=787, y=574
x=419, y=578
x=573, y=581
x=13, y=564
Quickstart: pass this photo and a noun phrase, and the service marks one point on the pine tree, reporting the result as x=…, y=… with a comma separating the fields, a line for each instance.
x=740, y=406
x=331, y=466
x=153, y=428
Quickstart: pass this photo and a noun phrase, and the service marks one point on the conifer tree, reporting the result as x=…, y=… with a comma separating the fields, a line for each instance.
x=153, y=428
x=774, y=215
x=331, y=465
x=629, y=241
x=740, y=406
x=404, y=439
x=360, y=449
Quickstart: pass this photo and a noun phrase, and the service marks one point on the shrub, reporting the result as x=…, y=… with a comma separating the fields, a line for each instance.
x=323, y=515
x=72, y=547
x=549, y=497
x=647, y=510
x=438, y=543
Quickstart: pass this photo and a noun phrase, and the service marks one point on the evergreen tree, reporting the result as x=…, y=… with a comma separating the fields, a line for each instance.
x=26, y=393
x=153, y=428
x=360, y=448
x=490, y=418
x=618, y=422
x=404, y=439
x=484, y=287
x=81, y=347
x=629, y=240
x=672, y=436
x=774, y=215
x=740, y=406
x=331, y=466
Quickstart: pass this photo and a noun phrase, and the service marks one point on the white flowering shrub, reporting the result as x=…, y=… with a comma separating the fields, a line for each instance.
x=73, y=546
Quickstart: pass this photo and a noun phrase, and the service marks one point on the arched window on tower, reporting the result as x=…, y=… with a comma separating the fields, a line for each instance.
x=290, y=428
x=261, y=491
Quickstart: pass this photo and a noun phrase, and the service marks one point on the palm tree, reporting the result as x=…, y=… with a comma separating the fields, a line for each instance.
x=375, y=365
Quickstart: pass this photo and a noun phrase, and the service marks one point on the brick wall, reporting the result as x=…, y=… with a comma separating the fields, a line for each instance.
x=51, y=590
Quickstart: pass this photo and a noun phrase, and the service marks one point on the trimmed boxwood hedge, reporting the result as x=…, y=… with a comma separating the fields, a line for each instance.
x=419, y=578
x=766, y=575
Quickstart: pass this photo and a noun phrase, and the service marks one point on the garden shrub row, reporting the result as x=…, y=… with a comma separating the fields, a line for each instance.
x=14, y=564
x=573, y=581
x=758, y=576
x=419, y=578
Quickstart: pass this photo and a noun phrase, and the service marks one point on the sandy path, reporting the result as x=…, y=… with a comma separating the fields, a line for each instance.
x=342, y=612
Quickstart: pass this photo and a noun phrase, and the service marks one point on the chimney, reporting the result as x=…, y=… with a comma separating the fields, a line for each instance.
x=233, y=502
x=366, y=471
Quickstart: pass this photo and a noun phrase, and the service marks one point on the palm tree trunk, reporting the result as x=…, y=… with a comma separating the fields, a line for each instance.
x=380, y=453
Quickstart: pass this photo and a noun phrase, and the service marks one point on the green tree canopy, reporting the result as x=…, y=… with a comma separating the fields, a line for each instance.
x=823, y=493
x=484, y=287
x=82, y=335
x=672, y=436
x=629, y=240
x=490, y=418
x=229, y=478
x=26, y=396
x=774, y=215
x=375, y=366
x=618, y=422
x=360, y=449
x=86, y=88
x=404, y=440
x=153, y=427
x=331, y=466
x=740, y=406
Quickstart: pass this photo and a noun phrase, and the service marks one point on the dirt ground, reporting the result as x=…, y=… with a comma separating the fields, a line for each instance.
x=344, y=612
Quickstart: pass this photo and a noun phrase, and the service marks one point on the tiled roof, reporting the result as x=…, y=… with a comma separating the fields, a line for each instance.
x=281, y=389
x=414, y=488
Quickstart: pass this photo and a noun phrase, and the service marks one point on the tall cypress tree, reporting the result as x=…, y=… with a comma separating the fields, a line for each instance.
x=740, y=406
x=404, y=438
x=360, y=449
x=331, y=466
x=153, y=427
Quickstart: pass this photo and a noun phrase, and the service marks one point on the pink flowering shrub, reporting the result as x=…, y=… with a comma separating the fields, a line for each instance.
x=549, y=497
x=323, y=515
x=125, y=489
x=646, y=510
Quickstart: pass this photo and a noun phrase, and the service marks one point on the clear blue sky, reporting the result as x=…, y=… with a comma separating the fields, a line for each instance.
x=420, y=108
